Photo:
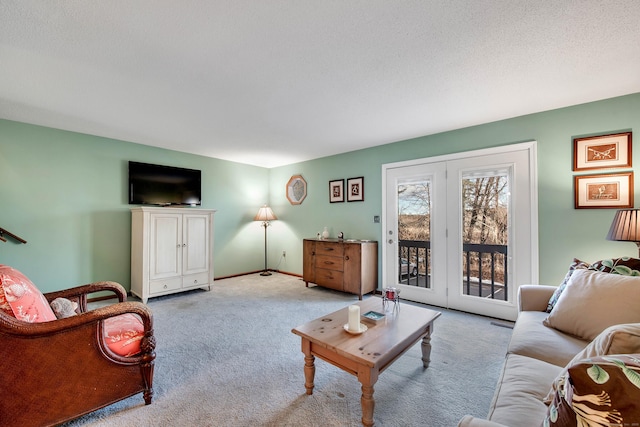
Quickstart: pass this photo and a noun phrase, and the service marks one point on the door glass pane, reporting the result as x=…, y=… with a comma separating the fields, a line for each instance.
x=485, y=228
x=414, y=230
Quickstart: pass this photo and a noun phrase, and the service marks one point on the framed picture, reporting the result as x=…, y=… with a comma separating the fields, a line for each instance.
x=355, y=189
x=602, y=152
x=336, y=191
x=607, y=191
x=296, y=189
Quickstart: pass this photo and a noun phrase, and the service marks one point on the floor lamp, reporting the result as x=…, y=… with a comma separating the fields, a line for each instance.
x=626, y=227
x=265, y=214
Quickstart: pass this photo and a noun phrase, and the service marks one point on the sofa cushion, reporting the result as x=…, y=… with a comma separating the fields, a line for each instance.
x=523, y=384
x=625, y=266
x=601, y=391
x=575, y=265
x=593, y=301
x=123, y=334
x=26, y=301
x=532, y=338
x=616, y=339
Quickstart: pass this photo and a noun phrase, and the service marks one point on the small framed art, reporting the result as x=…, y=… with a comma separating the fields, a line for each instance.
x=606, y=191
x=296, y=189
x=355, y=189
x=336, y=191
x=602, y=152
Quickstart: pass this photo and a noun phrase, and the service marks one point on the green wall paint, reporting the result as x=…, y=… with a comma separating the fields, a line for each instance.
x=66, y=194
x=564, y=232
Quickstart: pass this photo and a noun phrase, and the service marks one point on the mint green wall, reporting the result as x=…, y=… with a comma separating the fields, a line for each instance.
x=564, y=231
x=66, y=194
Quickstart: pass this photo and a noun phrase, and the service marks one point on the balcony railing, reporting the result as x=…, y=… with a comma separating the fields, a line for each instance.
x=484, y=267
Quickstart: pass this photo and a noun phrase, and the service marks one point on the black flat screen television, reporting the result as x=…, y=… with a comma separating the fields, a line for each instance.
x=163, y=185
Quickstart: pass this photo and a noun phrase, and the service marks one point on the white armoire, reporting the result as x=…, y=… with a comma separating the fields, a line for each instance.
x=171, y=250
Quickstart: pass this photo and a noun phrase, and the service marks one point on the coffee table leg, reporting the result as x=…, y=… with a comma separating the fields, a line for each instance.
x=367, y=378
x=309, y=366
x=426, y=347
x=368, y=404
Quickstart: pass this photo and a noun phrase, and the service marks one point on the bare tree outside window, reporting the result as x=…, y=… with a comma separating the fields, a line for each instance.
x=485, y=233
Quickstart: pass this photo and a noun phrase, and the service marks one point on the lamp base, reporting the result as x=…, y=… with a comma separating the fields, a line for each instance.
x=265, y=273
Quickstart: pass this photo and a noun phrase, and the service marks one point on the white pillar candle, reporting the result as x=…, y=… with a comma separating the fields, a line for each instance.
x=354, y=318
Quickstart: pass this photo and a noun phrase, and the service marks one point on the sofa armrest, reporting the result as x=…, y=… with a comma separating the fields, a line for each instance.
x=469, y=421
x=534, y=297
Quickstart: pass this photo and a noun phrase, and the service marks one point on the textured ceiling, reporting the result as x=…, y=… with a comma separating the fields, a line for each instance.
x=273, y=82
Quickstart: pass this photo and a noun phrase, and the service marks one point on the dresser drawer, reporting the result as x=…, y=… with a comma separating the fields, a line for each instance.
x=329, y=248
x=329, y=278
x=329, y=262
x=164, y=285
x=200, y=279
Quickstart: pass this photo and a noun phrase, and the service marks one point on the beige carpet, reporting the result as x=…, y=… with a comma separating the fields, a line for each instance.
x=228, y=358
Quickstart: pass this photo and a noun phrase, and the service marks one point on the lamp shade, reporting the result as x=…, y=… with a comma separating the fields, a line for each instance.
x=625, y=226
x=265, y=214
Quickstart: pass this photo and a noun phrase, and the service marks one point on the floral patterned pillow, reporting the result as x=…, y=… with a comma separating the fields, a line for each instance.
x=601, y=391
x=625, y=266
x=26, y=301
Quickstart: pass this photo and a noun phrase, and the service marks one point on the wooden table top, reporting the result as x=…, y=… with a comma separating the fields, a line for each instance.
x=381, y=343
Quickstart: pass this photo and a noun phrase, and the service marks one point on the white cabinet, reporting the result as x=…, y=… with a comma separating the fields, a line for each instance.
x=171, y=250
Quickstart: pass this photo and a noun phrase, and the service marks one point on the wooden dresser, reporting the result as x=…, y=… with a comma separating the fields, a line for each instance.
x=344, y=265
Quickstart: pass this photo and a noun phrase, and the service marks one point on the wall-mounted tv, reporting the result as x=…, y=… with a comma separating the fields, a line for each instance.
x=163, y=185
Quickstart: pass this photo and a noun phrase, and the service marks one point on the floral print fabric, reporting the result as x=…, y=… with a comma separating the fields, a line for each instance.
x=123, y=334
x=25, y=300
x=598, y=392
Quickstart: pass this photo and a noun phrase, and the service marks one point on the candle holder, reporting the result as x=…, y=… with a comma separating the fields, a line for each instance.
x=391, y=299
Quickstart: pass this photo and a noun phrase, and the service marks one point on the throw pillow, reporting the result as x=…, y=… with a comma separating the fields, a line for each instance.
x=4, y=304
x=593, y=301
x=575, y=265
x=63, y=307
x=616, y=339
x=26, y=301
x=626, y=266
x=602, y=391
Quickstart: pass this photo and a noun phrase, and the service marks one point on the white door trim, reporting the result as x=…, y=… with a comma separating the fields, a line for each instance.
x=530, y=147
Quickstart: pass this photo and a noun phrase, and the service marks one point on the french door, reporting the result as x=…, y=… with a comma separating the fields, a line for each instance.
x=460, y=231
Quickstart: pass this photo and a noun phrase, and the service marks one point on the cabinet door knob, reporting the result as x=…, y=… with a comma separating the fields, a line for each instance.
x=346, y=258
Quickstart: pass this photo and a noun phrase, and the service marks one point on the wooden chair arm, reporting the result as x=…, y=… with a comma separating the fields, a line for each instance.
x=17, y=327
x=79, y=293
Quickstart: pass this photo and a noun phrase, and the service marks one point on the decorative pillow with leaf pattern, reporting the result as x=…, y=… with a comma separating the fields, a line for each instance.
x=625, y=266
x=600, y=391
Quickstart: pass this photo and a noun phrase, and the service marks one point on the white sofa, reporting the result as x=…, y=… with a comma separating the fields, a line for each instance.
x=538, y=354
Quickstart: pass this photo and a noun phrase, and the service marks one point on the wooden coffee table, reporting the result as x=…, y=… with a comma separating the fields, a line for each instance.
x=368, y=354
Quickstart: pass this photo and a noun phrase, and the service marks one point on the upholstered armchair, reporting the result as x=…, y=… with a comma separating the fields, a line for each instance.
x=56, y=369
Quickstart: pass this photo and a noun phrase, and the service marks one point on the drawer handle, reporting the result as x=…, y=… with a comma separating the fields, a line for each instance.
x=328, y=262
x=195, y=281
x=328, y=249
x=165, y=286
